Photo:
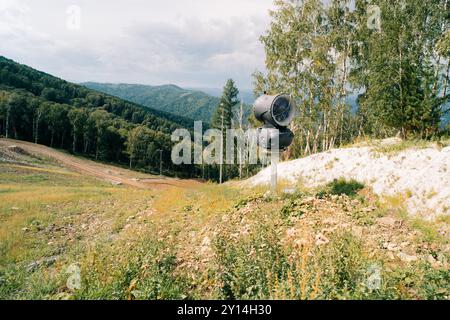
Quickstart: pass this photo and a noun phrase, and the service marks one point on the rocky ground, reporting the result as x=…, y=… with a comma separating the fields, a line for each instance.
x=206, y=240
x=419, y=174
x=311, y=220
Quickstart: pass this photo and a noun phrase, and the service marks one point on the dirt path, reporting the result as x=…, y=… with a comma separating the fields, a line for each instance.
x=113, y=174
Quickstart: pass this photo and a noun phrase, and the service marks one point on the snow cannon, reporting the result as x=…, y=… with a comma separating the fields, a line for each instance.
x=276, y=112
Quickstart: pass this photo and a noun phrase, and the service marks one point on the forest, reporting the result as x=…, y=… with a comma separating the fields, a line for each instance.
x=38, y=107
x=192, y=104
x=393, y=55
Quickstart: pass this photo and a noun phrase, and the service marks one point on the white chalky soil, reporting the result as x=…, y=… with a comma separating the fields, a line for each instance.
x=421, y=174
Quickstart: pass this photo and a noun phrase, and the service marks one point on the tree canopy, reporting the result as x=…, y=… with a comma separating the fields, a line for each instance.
x=324, y=54
x=38, y=107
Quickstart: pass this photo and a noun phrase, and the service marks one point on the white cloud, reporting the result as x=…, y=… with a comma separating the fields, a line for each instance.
x=190, y=43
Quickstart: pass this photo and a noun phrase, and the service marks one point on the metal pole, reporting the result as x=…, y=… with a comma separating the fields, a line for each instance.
x=8, y=109
x=241, y=116
x=160, y=162
x=221, y=149
x=274, y=171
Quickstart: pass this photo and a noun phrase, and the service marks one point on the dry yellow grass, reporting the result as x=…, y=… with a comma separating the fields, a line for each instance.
x=47, y=170
x=181, y=242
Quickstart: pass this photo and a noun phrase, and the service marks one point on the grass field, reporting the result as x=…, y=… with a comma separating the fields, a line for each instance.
x=64, y=235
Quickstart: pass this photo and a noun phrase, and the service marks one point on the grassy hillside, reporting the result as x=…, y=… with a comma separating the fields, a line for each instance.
x=38, y=107
x=210, y=241
x=246, y=95
x=193, y=104
x=18, y=76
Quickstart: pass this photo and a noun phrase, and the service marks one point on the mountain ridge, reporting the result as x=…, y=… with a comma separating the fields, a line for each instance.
x=38, y=107
x=32, y=80
x=190, y=103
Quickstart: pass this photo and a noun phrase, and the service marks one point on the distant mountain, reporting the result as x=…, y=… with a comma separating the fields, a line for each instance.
x=352, y=100
x=36, y=106
x=193, y=104
x=445, y=119
x=246, y=95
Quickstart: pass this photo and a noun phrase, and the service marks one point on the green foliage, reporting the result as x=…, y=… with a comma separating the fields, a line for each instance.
x=294, y=207
x=226, y=117
x=240, y=279
x=435, y=284
x=244, y=201
x=342, y=186
x=37, y=107
x=223, y=114
x=403, y=79
x=256, y=267
x=345, y=267
x=191, y=104
x=39, y=285
x=325, y=56
x=145, y=274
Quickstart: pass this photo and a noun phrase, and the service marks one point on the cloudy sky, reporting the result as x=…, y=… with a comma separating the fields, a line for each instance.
x=197, y=43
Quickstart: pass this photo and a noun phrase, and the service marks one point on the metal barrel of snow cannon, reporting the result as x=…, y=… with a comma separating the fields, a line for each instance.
x=267, y=135
x=276, y=112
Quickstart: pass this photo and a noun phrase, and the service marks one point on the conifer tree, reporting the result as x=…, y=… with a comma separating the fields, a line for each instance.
x=223, y=117
x=228, y=101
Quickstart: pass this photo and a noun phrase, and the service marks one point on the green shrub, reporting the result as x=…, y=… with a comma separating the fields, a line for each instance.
x=435, y=283
x=343, y=265
x=147, y=274
x=342, y=186
x=244, y=266
x=293, y=208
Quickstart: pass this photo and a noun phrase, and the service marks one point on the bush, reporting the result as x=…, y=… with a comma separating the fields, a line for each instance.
x=148, y=273
x=342, y=186
x=244, y=266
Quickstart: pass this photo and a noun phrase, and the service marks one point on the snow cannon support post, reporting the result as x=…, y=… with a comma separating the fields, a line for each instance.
x=276, y=112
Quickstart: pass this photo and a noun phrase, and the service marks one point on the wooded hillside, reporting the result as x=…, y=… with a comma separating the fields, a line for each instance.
x=193, y=104
x=35, y=106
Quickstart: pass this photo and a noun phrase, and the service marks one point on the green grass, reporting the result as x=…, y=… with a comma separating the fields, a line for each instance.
x=402, y=145
x=342, y=186
x=210, y=242
x=428, y=230
x=410, y=144
x=146, y=273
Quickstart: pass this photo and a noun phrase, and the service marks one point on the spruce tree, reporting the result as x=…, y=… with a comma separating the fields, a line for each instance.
x=227, y=102
x=222, y=117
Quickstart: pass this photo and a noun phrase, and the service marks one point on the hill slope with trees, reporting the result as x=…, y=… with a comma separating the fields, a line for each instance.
x=38, y=107
x=193, y=104
x=322, y=54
